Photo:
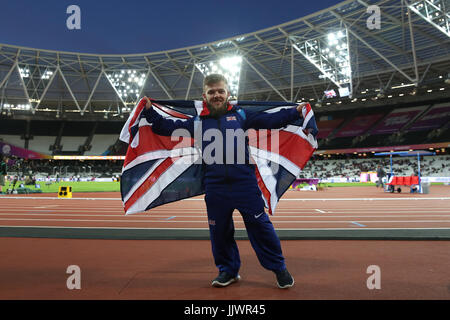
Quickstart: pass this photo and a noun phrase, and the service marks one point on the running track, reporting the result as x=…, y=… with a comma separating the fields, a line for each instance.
x=338, y=208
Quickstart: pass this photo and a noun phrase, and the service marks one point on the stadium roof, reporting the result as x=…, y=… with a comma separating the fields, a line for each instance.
x=406, y=153
x=407, y=54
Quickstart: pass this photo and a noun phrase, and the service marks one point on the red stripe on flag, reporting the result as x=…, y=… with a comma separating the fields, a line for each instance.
x=149, y=141
x=308, y=108
x=266, y=193
x=300, y=154
x=138, y=111
x=290, y=145
x=149, y=182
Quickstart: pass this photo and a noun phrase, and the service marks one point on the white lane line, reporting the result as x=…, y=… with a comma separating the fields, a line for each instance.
x=43, y=207
x=115, y=228
x=241, y=229
x=99, y=207
x=238, y=221
x=419, y=210
x=400, y=208
x=235, y=216
x=56, y=198
x=285, y=206
x=192, y=210
x=362, y=199
x=182, y=211
x=97, y=220
x=291, y=199
x=358, y=224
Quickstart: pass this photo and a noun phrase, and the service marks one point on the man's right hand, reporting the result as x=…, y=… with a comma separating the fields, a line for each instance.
x=300, y=106
x=148, y=105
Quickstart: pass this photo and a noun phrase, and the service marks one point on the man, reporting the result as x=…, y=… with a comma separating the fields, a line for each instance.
x=231, y=184
x=3, y=172
x=380, y=175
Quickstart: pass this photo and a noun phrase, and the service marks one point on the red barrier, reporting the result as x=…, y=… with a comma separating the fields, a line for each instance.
x=404, y=181
x=407, y=181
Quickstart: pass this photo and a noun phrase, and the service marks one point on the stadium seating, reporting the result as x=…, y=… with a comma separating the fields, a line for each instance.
x=72, y=143
x=100, y=143
x=41, y=144
x=13, y=139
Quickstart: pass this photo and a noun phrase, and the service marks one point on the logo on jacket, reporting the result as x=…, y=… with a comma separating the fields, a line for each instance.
x=259, y=215
x=231, y=118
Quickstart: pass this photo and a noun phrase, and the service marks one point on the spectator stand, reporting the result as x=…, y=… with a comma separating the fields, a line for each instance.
x=405, y=181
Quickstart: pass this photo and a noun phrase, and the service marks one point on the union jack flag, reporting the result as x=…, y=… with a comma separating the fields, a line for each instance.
x=330, y=93
x=159, y=169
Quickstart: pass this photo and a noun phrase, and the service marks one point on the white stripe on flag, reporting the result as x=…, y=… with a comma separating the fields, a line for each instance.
x=142, y=179
x=158, y=154
x=165, y=115
x=173, y=172
x=124, y=134
x=135, y=141
x=198, y=106
x=269, y=181
x=143, y=122
x=277, y=158
x=299, y=131
x=308, y=117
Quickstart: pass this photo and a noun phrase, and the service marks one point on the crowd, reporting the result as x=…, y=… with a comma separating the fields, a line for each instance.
x=315, y=168
x=352, y=168
x=62, y=168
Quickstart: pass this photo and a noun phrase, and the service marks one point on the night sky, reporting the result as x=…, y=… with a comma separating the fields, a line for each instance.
x=133, y=26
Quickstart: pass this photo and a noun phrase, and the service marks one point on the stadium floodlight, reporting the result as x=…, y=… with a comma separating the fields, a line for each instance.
x=128, y=84
x=229, y=67
x=24, y=72
x=435, y=12
x=47, y=74
x=17, y=107
x=22, y=107
x=330, y=54
x=228, y=42
x=35, y=80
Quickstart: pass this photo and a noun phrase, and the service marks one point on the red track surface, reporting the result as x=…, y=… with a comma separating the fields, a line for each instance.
x=345, y=207
x=181, y=269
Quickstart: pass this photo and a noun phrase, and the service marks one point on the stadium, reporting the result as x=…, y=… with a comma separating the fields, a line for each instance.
x=380, y=96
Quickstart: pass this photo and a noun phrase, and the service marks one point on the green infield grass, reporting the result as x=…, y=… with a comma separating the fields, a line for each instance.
x=82, y=186
x=95, y=186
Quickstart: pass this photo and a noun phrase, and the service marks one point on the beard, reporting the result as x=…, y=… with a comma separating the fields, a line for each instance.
x=217, y=109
